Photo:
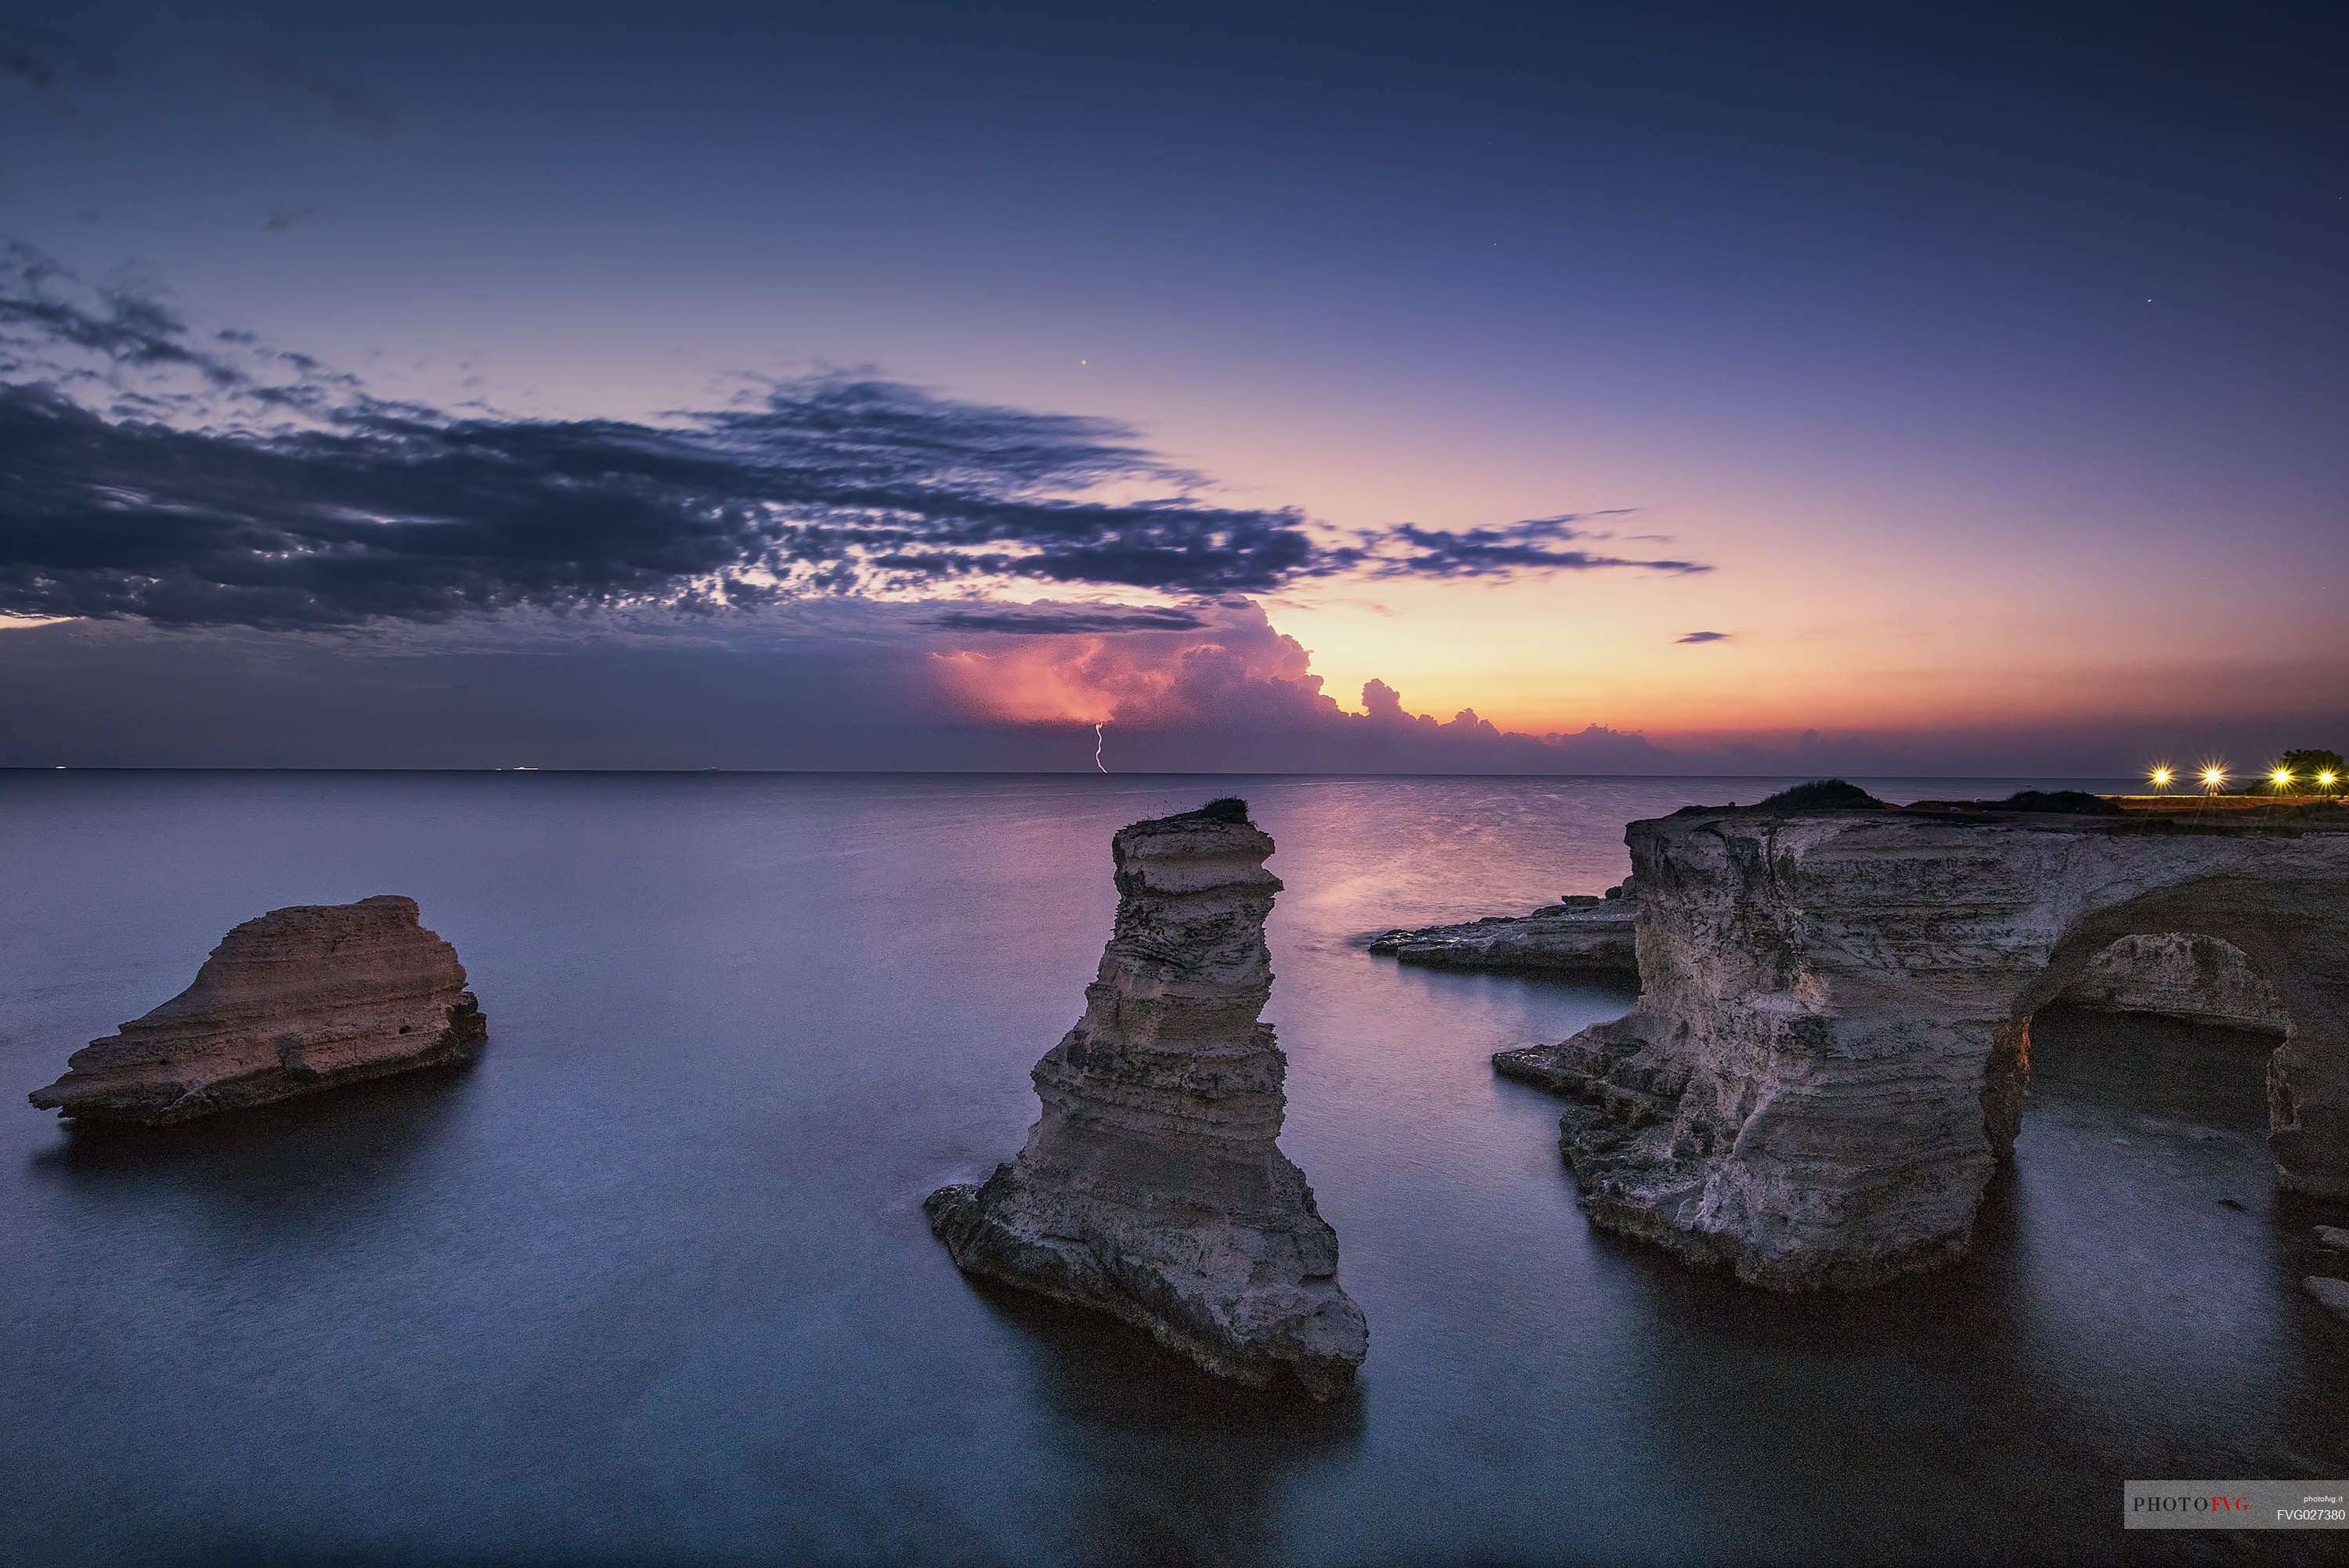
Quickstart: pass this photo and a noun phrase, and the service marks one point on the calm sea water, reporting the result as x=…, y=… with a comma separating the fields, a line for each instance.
x=649, y=1282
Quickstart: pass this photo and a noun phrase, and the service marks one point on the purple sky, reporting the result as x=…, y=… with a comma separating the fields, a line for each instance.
x=1957, y=388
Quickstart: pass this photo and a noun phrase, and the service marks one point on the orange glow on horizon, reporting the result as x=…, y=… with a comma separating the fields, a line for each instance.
x=1026, y=685
x=1273, y=662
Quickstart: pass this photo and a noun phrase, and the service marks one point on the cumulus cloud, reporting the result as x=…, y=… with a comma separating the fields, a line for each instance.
x=1235, y=694
x=210, y=480
x=1231, y=666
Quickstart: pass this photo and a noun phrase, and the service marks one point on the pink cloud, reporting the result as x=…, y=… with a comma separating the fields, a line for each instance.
x=1233, y=692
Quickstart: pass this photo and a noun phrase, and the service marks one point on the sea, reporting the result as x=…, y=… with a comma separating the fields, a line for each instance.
x=649, y=1282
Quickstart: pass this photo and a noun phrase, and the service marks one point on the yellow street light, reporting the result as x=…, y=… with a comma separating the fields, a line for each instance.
x=2324, y=780
x=2281, y=779
x=2214, y=777
x=2161, y=775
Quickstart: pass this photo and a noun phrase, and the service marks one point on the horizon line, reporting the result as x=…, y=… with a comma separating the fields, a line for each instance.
x=1004, y=772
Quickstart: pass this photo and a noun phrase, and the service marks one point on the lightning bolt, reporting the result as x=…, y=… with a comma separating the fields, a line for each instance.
x=1097, y=746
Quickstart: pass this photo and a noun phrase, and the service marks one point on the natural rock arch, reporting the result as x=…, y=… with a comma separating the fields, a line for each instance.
x=1828, y=1055
x=2308, y=1159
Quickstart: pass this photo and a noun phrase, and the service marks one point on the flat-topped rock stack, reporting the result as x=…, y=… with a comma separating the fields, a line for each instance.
x=1832, y=1044
x=1152, y=1187
x=294, y=1001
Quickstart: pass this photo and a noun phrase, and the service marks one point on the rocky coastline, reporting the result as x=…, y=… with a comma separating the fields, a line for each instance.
x=1831, y=1048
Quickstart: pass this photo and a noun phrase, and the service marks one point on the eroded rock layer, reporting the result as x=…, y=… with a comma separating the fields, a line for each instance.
x=1152, y=1187
x=297, y=1000
x=1832, y=1044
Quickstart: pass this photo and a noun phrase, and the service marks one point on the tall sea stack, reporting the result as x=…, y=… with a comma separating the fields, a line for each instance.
x=1152, y=1187
x=297, y=1000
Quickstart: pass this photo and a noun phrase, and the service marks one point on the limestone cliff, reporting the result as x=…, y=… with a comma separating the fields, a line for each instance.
x=1152, y=1187
x=294, y=1001
x=1832, y=1044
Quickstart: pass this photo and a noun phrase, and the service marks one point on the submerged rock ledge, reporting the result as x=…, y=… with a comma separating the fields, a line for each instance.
x=295, y=1001
x=1152, y=1187
x=1585, y=935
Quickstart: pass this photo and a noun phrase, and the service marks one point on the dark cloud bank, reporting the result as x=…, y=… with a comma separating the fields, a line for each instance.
x=258, y=561
x=194, y=482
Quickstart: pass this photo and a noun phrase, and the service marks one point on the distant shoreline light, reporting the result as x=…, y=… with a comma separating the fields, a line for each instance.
x=2213, y=776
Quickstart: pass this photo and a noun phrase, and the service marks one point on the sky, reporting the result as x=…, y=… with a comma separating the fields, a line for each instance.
x=1655, y=388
